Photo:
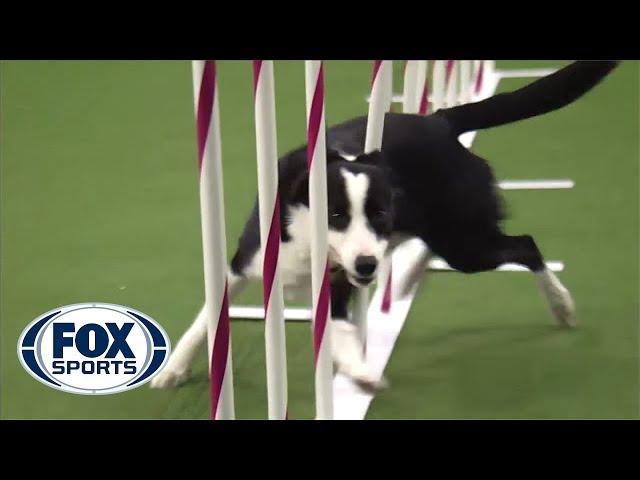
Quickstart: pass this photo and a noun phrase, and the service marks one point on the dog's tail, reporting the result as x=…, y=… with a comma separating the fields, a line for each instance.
x=542, y=96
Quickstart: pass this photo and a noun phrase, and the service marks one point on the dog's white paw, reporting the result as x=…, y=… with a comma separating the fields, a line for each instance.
x=370, y=384
x=563, y=307
x=348, y=357
x=170, y=377
x=361, y=376
x=558, y=297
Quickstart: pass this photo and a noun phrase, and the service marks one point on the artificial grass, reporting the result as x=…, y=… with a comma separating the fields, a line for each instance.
x=99, y=202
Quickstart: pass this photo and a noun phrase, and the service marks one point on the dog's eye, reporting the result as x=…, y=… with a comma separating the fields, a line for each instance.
x=339, y=219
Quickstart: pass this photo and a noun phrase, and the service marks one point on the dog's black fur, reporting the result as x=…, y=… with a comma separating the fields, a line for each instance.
x=425, y=183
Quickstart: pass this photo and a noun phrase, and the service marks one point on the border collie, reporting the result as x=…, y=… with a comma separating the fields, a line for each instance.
x=423, y=184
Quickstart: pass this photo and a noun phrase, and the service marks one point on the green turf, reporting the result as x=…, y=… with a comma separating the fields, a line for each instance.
x=99, y=202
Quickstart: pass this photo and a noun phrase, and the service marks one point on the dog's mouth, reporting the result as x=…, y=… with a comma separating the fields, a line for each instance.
x=360, y=281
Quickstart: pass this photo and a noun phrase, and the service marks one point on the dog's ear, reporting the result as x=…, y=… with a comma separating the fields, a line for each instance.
x=374, y=158
x=299, y=191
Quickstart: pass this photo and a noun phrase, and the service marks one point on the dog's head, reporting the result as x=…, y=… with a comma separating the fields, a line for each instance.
x=360, y=212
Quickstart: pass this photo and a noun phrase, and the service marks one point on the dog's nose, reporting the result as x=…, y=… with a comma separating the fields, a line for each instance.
x=366, y=265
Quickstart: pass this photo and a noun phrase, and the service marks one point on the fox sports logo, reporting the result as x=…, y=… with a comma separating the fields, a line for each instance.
x=93, y=348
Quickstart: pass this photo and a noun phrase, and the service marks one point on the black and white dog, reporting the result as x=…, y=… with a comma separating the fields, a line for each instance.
x=423, y=184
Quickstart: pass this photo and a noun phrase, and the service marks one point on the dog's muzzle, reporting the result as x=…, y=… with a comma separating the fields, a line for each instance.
x=360, y=281
x=365, y=270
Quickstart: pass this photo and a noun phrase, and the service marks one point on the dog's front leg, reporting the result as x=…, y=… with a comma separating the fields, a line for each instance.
x=347, y=350
x=178, y=367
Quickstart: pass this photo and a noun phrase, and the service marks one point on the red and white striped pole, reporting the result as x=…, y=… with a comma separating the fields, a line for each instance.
x=452, y=83
x=373, y=141
x=388, y=82
x=415, y=93
x=465, y=81
x=479, y=76
x=410, y=95
x=423, y=87
x=414, y=101
x=269, y=208
x=321, y=290
x=438, y=84
x=213, y=238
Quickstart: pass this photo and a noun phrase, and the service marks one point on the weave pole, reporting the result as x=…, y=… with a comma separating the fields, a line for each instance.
x=213, y=238
x=269, y=209
x=415, y=100
x=321, y=290
x=438, y=84
x=410, y=97
x=373, y=141
x=465, y=81
x=452, y=83
x=413, y=95
x=423, y=87
x=479, y=76
x=388, y=82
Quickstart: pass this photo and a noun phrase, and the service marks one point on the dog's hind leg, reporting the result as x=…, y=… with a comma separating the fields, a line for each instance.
x=416, y=272
x=523, y=250
x=178, y=368
x=558, y=297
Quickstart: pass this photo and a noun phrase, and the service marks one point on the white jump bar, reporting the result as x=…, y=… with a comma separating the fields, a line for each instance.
x=536, y=184
x=523, y=73
x=257, y=313
x=526, y=73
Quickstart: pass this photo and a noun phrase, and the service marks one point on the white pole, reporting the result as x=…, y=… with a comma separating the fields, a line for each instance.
x=213, y=238
x=410, y=97
x=465, y=81
x=373, y=141
x=388, y=81
x=422, y=88
x=452, y=83
x=375, y=119
x=438, y=84
x=321, y=290
x=489, y=66
x=415, y=77
x=476, y=82
x=269, y=208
